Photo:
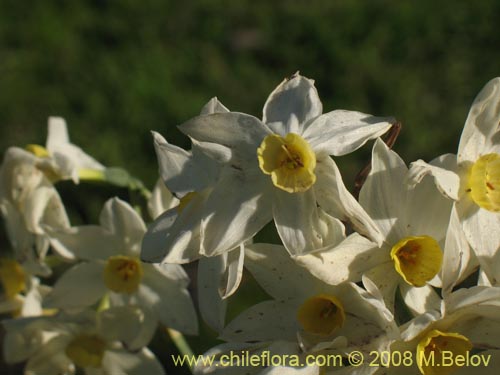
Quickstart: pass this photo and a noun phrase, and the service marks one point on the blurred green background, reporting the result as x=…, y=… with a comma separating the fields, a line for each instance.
x=118, y=69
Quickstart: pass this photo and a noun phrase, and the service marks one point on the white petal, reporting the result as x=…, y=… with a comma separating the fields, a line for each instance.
x=239, y=132
x=341, y=132
x=181, y=170
x=481, y=126
x=120, y=362
x=86, y=242
x=335, y=199
x=212, y=306
x=347, y=261
x=50, y=359
x=301, y=225
x=161, y=200
x=458, y=260
x=239, y=206
x=167, y=296
x=266, y=321
x=442, y=169
x=276, y=272
x=481, y=231
x=128, y=324
x=294, y=97
x=419, y=300
x=234, y=272
x=386, y=279
x=124, y=222
x=175, y=237
x=383, y=195
x=213, y=106
x=80, y=286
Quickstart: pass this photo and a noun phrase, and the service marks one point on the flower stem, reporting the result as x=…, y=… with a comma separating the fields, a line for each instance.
x=181, y=344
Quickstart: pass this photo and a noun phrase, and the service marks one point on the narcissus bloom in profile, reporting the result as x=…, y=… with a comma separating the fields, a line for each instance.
x=414, y=222
x=111, y=265
x=88, y=341
x=281, y=168
x=472, y=178
x=28, y=203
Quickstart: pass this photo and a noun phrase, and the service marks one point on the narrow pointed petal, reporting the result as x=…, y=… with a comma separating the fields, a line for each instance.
x=213, y=106
x=383, y=195
x=341, y=132
x=294, y=97
x=234, y=272
x=335, y=199
x=212, y=306
x=442, y=169
x=481, y=127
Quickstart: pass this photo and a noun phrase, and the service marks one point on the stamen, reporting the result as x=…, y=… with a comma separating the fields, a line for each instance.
x=86, y=351
x=321, y=314
x=123, y=274
x=484, y=182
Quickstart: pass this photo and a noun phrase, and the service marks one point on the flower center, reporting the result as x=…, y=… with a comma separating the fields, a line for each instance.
x=123, y=274
x=321, y=314
x=484, y=182
x=184, y=201
x=431, y=348
x=12, y=277
x=417, y=259
x=290, y=161
x=86, y=350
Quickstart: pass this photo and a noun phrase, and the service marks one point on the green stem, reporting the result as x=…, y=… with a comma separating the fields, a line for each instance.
x=181, y=344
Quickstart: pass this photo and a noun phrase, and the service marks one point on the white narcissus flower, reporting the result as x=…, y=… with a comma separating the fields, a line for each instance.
x=281, y=168
x=339, y=317
x=71, y=160
x=414, y=222
x=472, y=178
x=174, y=236
x=467, y=325
x=29, y=202
x=88, y=341
x=111, y=264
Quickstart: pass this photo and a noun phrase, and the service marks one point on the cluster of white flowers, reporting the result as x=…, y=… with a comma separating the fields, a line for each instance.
x=405, y=279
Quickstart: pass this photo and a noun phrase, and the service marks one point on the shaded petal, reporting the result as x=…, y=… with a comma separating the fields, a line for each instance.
x=120, y=362
x=341, y=132
x=266, y=321
x=300, y=225
x=213, y=106
x=294, y=97
x=80, y=286
x=335, y=199
x=128, y=324
x=234, y=272
x=239, y=206
x=50, y=359
x=481, y=231
x=458, y=260
x=124, y=222
x=240, y=133
x=181, y=170
x=161, y=200
x=481, y=127
x=86, y=242
x=386, y=280
x=164, y=290
x=420, y=300
x=68, y=157
x=276, y=272
x=383, y=195
x=212, y=306
x=347, y=261
x=442, y=169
